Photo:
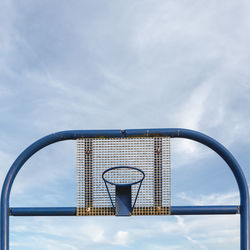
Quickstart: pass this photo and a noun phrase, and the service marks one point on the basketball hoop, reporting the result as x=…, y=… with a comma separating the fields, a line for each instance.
x=123, y=177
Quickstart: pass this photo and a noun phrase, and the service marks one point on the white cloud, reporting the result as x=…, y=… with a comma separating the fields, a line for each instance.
x=203, y=232
x=121, y=238
x=229, y=198
x=196, y=242
x=43, y=243
x=192, y=111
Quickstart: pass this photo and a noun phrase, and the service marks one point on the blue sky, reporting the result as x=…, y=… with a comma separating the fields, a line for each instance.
x=124, y=64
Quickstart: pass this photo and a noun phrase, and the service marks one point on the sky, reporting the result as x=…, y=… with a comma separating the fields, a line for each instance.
x=118, y=65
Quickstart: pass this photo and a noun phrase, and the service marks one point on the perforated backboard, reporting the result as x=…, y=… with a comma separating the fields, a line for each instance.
x=150, y=154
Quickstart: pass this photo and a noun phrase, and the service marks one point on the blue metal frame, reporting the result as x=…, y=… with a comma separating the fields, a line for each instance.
x=175, y=210
x=6, y=211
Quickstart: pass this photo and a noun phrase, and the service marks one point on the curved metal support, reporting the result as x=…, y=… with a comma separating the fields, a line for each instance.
x=226, y=156
x=174, y=133
x=25, y=155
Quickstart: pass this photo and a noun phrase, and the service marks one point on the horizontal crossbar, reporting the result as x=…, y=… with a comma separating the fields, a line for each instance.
x=205, y=210
x=175, y=210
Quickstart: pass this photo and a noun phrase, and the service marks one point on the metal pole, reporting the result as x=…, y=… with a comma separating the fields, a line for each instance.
x=175, y=210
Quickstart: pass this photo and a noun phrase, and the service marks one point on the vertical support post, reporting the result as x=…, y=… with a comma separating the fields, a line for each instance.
x=88, y=173
x=4, y=220
x=244, y=223
x=158, y=172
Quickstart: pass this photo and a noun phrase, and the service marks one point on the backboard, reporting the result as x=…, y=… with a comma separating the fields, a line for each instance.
x=96, y=155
